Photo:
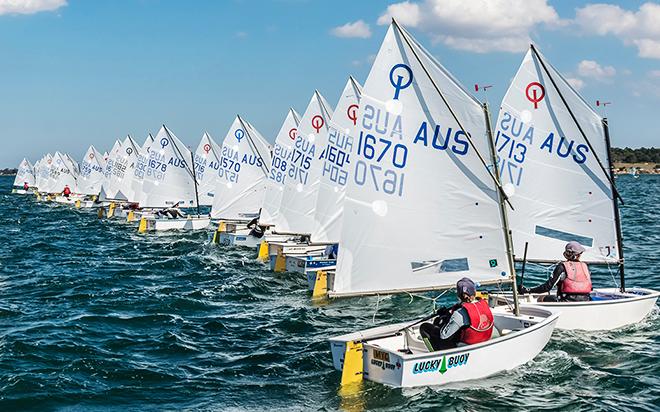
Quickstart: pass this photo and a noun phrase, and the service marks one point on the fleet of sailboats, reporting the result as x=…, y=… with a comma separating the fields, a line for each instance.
x=403, y=187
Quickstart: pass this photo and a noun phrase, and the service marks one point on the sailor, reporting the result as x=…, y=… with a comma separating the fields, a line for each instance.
x=66, y=192
x=26, y=186
x=571, y=277
x=468, y=322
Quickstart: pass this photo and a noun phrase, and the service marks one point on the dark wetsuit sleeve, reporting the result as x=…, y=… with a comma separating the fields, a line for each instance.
x=551, y=282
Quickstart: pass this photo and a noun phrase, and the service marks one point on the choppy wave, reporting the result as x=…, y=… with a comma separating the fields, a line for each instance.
x=93, y=316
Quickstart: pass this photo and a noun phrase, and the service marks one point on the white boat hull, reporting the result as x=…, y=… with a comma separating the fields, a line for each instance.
x=309, y=265
x=279, y=251
x=601, y=314
x=384, y=362
x=187, y=223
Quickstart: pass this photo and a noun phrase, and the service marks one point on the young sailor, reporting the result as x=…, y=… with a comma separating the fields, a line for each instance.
x=468, y=322
x=66, y=192
x=26, y=186
x=572, y=278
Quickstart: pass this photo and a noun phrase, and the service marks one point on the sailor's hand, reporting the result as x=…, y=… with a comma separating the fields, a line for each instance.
x=442, y=311
x=523, y=290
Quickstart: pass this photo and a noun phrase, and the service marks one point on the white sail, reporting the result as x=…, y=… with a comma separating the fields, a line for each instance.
x=25, y=174
x=169, y=178
x=335, y=164
x=244, y=163
x=148, y=142
x=207, y=166
x=123, y=169
x=141, y=168
x=62, y=174
x=421, y=209
x=281, y=156
x=304, y=169
x=43, y=177
x=559, y=191
x=109, y=187
x=91, y=172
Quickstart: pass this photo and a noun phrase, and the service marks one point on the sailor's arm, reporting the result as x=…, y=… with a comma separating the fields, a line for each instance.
x=550, y=283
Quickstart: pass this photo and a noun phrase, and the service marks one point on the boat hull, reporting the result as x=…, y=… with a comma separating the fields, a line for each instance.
x=600, y=313
x=189, y=223
x=384, y=362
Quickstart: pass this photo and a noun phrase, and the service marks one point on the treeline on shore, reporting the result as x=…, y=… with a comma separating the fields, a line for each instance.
x=8, y=172
x=641, y=155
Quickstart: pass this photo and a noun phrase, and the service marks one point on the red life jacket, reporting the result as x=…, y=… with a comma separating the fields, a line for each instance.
x=67, y=191
x=481, y=322
x=578, y=278
x=25, y=186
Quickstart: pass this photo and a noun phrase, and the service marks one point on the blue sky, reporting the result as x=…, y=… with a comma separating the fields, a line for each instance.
x=87, y=72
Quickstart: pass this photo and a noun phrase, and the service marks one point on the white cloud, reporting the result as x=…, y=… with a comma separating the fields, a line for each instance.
x=29, y=6
x=654, y=73
x=477, y=25
x=635, y=28
x=591, y=69
x=577, y=84
x=241, y=34
x=406, y=13
x=358, y=29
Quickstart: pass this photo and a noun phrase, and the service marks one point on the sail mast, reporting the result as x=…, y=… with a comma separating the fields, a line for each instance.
x=192, y=157
x=615, y=204
x=503, y=212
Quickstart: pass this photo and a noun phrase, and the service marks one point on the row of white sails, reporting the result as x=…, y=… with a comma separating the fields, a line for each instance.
x=407, y=175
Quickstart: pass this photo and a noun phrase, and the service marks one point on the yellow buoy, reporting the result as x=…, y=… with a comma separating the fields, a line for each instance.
x=263, y=251
x=353, y=369
x=320, y=285
x=143, y=225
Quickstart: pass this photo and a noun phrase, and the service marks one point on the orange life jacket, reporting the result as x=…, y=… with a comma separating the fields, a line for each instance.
x=481, y=322
x=578, y=278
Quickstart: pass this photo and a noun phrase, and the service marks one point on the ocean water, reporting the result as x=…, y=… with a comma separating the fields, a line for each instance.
x=94, y=316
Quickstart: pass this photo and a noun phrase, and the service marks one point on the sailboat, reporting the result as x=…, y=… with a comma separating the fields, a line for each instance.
x=125, y=162
x=300, y=188
x=138, y=176
x=281, y=155
x=554, y=160
x=336, y=159
x=90, y=178
x=240, y=189
x=64, y=172
x=420, y=156
x=24, y=175
x=207, y=166
x=170, y=182
x=42, y=177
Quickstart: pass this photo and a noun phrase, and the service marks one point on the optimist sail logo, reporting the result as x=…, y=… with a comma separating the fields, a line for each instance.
x=164, y=142
x=317, y=123
x=352, y=113
x=398, y=73
x=535, y=92
x=293, y=133
x=207, y=147
x=238, y=134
